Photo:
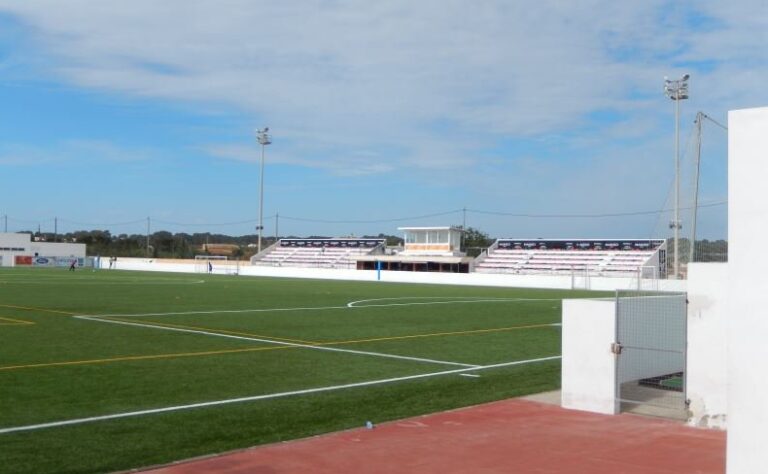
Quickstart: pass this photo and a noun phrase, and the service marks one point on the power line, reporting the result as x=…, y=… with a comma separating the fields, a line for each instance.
x=209, y=224
x=376, y=221
x=370, y=221
x=113, y=224
x=590, y=216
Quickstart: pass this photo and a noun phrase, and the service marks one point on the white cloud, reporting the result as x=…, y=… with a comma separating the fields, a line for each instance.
x=430, y=87
x=72, y=152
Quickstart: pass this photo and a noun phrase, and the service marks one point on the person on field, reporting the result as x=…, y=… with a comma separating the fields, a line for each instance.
x=210, y=267
x=72, y=265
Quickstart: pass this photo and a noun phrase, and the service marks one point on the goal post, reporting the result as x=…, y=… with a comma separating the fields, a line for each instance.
x=213, y=264
x=647, y=278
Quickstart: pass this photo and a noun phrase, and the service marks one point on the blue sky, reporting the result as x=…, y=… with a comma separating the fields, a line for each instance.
x=382, y=115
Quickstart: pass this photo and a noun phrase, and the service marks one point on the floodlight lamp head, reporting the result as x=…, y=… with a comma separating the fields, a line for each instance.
x=686, y=77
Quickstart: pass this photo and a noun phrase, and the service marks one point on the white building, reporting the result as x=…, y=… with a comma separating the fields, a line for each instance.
x=20, y=249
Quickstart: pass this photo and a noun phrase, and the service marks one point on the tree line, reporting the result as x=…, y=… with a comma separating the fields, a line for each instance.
x=164, y=244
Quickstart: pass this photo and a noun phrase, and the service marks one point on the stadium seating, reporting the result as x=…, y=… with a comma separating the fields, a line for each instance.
x=597, y=262
x=317, y=253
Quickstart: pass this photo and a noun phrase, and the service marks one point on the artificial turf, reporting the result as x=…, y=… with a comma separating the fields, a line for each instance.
x=231, y=337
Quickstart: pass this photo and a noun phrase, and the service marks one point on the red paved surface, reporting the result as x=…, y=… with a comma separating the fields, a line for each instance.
x=511, y=436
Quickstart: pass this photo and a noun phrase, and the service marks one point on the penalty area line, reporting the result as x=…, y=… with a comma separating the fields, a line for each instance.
x=79, y=421
x=281, y=343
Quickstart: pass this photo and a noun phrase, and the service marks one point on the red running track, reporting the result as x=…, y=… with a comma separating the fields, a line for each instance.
x=511, y=436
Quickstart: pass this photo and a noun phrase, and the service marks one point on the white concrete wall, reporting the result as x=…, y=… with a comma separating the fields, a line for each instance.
x=43, y=249
x=707, y=308
x=747, y=333
x=471, y=279
x=12, y=240
x=57, y=249
x=589, y=366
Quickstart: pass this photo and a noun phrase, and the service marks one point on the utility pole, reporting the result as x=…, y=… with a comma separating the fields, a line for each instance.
x=55, y=229
x=277, y=222
x=148, y=223
x=700, y=116
x=463, y=228
x=6, y=223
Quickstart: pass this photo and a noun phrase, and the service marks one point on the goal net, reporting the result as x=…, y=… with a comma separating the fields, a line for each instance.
x=647, y=279
x=216, y=264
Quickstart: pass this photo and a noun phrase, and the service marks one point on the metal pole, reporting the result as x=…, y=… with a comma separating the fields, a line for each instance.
x=264, y=140
x=699, y=119
x=677, y=185
x=261, y=197
x=6, y=223
x=277, y=223
x=55, y=229
x=147, y=237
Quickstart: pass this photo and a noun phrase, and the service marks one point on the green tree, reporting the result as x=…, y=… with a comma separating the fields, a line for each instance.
x=475, y=241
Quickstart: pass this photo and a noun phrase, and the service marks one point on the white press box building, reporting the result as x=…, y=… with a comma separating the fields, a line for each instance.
x=21, y=249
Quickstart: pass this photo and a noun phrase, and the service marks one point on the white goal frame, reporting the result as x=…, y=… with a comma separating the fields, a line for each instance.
x=220, y=264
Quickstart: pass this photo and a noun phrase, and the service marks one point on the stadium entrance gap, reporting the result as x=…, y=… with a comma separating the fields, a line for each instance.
x=651, y=339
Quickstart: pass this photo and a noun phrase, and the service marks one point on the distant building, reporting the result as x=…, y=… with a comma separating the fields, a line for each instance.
x=21, y=249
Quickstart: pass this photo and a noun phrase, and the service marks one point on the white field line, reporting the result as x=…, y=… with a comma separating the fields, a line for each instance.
x=64, y=276
x=25, y=279
x=279, y=343
x=78, y=421
x=453, y=300
x=217, y=311
x=352, y=304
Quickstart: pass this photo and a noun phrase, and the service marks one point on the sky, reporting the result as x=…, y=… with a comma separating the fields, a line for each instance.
x=521, y=119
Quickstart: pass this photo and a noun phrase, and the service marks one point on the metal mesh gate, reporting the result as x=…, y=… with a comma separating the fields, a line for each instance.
x=651, y=339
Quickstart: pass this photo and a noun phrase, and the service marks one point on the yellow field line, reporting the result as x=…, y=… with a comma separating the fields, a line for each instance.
x=221, y=331
x=30, y=308
x=144, y=357
x=354, y=341
x=454, y=333
x=256, y=349
x=14, y=322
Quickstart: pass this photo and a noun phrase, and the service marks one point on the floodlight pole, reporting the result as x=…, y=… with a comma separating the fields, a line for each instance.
x=677, y=90
x=264, y=140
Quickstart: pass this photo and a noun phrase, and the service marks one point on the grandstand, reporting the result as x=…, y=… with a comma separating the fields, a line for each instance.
x=426, y=249
x=318, y=253
x=628, y=257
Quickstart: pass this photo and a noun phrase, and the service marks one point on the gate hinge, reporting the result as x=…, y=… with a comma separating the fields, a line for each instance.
x=616, y=348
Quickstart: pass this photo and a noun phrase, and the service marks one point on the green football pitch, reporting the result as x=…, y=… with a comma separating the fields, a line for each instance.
x=110, y=370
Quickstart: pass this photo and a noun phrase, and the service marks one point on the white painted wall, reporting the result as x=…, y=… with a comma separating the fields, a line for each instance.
x=43, y=249
x=57, y=249
x=589, y=366
x=471, y=279
x=12, y=240
x=747, y=333
x=707, y=309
